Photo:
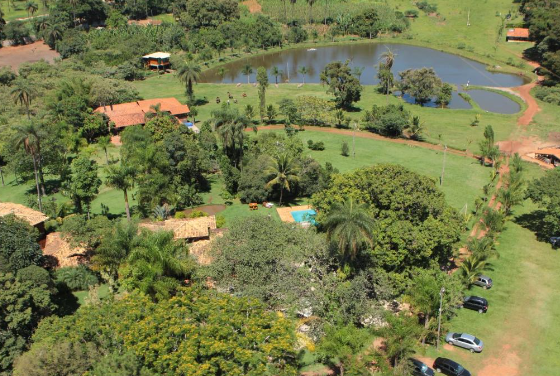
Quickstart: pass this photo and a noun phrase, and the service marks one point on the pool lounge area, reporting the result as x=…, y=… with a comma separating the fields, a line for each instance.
x=302, y=214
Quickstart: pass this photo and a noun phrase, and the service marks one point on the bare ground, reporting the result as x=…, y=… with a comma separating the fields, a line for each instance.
x=30, y=53
x=253, y=5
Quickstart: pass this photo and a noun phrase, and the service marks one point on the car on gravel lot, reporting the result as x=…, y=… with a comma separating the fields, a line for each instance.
x=450, y=368
x=420, y=368
x=476, y=303
x=483, y=281
x=465, y=341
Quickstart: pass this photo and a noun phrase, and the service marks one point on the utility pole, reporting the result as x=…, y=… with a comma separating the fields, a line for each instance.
x=443, y=168
x=354, y=141
x=439, y=316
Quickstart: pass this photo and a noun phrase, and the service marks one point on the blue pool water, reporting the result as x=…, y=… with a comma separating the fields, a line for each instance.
x=304, y=216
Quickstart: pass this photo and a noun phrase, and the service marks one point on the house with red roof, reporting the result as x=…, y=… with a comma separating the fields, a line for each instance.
x=518, y=34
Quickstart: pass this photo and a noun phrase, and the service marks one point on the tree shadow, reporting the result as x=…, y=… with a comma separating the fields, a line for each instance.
x=66, y=301
x=535, y=222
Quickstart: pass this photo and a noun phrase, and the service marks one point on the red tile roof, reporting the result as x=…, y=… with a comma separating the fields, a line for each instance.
x=133, y=113
x=518, y=32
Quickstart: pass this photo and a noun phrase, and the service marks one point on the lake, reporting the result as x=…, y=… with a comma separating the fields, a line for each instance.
x=450, y=68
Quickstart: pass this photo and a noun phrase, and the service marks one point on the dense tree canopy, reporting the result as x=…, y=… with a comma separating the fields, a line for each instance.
x=342, y=84
x=544, y=192
x=18, y=245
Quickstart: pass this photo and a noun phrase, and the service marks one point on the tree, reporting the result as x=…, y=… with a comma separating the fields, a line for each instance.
x=197, y=332
x=544, y=193
x=22, y=305
x=189, y=72
x=31, y=7
x=290, y=111
x=487, y=147
x=271, y=112
x=421, y=84
x=401, y=336
x=247, y=71
x=341, y=349
x=303, y=71
x=156, y=265
x=283, y=172
x=415, y=225
x=84, y=183
x=445, y=95
x=276, y=72
x=472, y=267
x=342, y=84
x=311, y=3
x=29, y=137
x=104, y=142
x=23, y=93
x=230, y=125
x=121, y=178
x=262, y=79
x=351, y=226
x=345, y=150
x=18, y=245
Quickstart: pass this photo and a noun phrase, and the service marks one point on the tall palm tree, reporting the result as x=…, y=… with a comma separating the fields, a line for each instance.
x=52, y=34
x=104, y=142
x=121, y=178
x=28, y=137
x=472, y=267
x=247, y=71
x=303, y=70
x=276, y=72
x=31, y=8
x=351, y=226
x=283, y=171
x=188, y=73
x=388, y=58
x=311, y=3
x=230, y=126
x=23, y=93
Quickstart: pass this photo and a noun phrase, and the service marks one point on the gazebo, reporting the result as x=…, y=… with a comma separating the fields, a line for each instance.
x=157, y=60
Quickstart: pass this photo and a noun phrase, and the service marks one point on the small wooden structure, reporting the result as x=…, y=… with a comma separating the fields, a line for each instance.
x=190, y=229
x=518, y=34
x=157, y=60
x=549, y=155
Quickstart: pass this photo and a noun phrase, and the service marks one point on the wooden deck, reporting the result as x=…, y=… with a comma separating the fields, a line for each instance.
x=286, y=213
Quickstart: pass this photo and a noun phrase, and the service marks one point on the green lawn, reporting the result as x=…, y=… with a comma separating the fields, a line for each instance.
x=82, y=295
x=451, y=127
x=17, y=9
x=520, y=327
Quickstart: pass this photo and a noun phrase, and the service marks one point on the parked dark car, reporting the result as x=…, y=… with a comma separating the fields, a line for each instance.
x=483, y=281
x=555, y=241
x=449, y=367
x=420, y=369
x=476, y=303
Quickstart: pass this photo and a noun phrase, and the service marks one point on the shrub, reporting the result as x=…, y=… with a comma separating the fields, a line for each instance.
x=220, y=221
x=76, y=278
x=17, y=32
x=297, y=34
x=345, y=149
x=548, y=94
x=197, y=214
x=411, y=13
x=315, y=145
x=180, y=215
x=461, y=45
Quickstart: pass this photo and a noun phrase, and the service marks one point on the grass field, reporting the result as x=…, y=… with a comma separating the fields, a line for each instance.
x=519, y=331
x=451, y=127
x=17, y=10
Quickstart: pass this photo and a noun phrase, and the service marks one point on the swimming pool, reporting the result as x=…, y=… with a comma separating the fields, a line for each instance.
x=304, y=216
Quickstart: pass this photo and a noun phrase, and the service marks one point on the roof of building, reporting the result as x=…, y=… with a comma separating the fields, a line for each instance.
x=190, y=228
x=133, y=113
x=62, y=253
x=33, y=217
x=518, y=32
x=157, y=55
x=549, y=151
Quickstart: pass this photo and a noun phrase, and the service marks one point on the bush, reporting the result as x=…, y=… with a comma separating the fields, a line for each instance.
x=315, y=145
x=387, y=120
x=17, y=32
x=7, y=75
x=345, y=149
x=411, y=13
x=297, y=34
x=180, y=215
x=548, y=94
x=76, y=278
x=220, y=221
x=197, y=214
x=427, y=7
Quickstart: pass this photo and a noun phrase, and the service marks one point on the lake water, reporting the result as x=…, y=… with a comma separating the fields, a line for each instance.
x=450, y=68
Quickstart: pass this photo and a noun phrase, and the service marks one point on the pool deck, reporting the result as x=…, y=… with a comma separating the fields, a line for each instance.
x=286, y=213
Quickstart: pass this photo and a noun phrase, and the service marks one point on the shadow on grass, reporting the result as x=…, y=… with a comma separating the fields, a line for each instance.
x=535, y=222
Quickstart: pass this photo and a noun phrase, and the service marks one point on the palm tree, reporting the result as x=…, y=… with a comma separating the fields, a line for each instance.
x=247, y=71
x=303, y=70
x=28, y=137
x=283, y=171
x=276, y=72
x=351, y=226
x=104, y=142
x=23, y=93
x=194, y=113
x=156, y=264
x=388, y=58
x=311, y=2
x=472, y=267
x=188, y=73
x=52, y=34
x=121, y=178
x=230, y=126
x=31, y=8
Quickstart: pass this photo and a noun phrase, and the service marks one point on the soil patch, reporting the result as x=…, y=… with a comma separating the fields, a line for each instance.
x=208, y=209
x=14, y=56
x=506, y=364
x=253, y=5
x=532, y=106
